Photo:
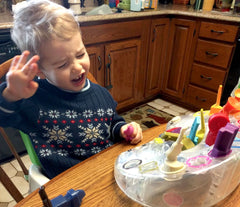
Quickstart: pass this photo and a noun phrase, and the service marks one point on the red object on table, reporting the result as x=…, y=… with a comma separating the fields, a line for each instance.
x=215, y=122
x=117, y=2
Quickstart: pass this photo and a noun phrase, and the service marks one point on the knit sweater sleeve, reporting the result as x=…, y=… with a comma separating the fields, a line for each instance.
x=117, y=124
x=9, y=116
x=117, y=120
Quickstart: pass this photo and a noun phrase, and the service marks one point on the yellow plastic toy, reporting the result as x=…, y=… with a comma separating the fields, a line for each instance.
x=201, y=132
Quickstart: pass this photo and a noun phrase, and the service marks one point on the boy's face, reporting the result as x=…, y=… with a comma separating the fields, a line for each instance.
x=65, y=63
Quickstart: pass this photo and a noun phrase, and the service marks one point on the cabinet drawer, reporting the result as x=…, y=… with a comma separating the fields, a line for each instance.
x=217, y=54
x=207, y=77
x=215, y=31
x=109, y=32
x=201, y=98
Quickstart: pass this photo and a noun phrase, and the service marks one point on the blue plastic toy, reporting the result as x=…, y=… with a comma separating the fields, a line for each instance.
x=193, y=131
x=73, y=198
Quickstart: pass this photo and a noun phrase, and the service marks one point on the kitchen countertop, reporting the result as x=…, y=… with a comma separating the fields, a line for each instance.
x=6, y=19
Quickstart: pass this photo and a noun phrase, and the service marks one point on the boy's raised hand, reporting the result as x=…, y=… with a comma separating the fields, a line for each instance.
x=20, y=84
x=132, y=131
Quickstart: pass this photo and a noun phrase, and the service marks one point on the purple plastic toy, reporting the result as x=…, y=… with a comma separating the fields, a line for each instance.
x=224, y=140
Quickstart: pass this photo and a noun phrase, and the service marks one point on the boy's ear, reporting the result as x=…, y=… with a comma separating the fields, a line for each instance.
x=41, y=75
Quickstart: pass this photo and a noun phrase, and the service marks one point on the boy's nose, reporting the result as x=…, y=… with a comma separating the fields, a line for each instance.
x=76, y=67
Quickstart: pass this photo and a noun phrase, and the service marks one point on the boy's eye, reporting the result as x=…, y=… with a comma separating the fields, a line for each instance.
x=62, y=66
x=80, y=55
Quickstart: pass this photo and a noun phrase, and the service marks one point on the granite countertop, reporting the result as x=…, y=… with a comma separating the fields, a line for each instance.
x=6, y=19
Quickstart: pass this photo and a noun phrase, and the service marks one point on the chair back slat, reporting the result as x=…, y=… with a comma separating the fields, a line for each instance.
x=13, y=150
x=11, y=188
x=4, y=67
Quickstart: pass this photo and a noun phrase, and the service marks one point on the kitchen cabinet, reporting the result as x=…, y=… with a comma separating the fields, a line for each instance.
x=118, y=57
x=157, y=56
x=184, y=60
x=123, y=66
x=213, y=56
x=96, y=54
x=189, y=59
x=178, y=57
x=169, y=56
x=117, y=69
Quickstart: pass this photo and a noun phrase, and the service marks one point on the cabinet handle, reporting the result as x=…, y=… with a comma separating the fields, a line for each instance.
x=205, y=77
x=154, y=35
x=215, y=31
x=108, y=74
x=99, y=63
x=214, y=54
x=201, y=99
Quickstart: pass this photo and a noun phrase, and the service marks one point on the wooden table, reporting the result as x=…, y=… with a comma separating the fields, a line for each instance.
x=96, y=177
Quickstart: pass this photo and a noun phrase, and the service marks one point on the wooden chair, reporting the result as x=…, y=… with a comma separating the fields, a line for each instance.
x=6, y=181
x=11, y=188
x=4, y=67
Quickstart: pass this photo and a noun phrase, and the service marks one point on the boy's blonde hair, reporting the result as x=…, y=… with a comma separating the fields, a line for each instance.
x=36, y=21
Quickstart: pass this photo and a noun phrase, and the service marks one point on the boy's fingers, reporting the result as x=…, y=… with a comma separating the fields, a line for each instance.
x=137, y=134
x=136, y=140
x=34, y=59
x=27, y=69
x=14, y=63
x=33, y=71
x=137, y=128
x=33, y=85
x=23, y=59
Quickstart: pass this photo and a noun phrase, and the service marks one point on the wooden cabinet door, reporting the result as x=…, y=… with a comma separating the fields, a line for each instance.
x=96, y=56
x=121, y=73
x=178, y=56
x=157, y=56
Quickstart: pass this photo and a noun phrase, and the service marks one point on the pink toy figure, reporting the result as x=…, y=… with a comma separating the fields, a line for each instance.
x=215, y=122
x=128, y=132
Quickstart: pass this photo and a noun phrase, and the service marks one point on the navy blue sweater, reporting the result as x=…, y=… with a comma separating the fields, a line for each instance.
x=65, y=128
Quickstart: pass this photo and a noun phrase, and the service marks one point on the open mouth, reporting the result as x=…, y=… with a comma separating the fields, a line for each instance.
x=78, y=79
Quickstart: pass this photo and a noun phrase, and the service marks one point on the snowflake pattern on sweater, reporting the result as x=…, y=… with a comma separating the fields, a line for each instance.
x=92, y=132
